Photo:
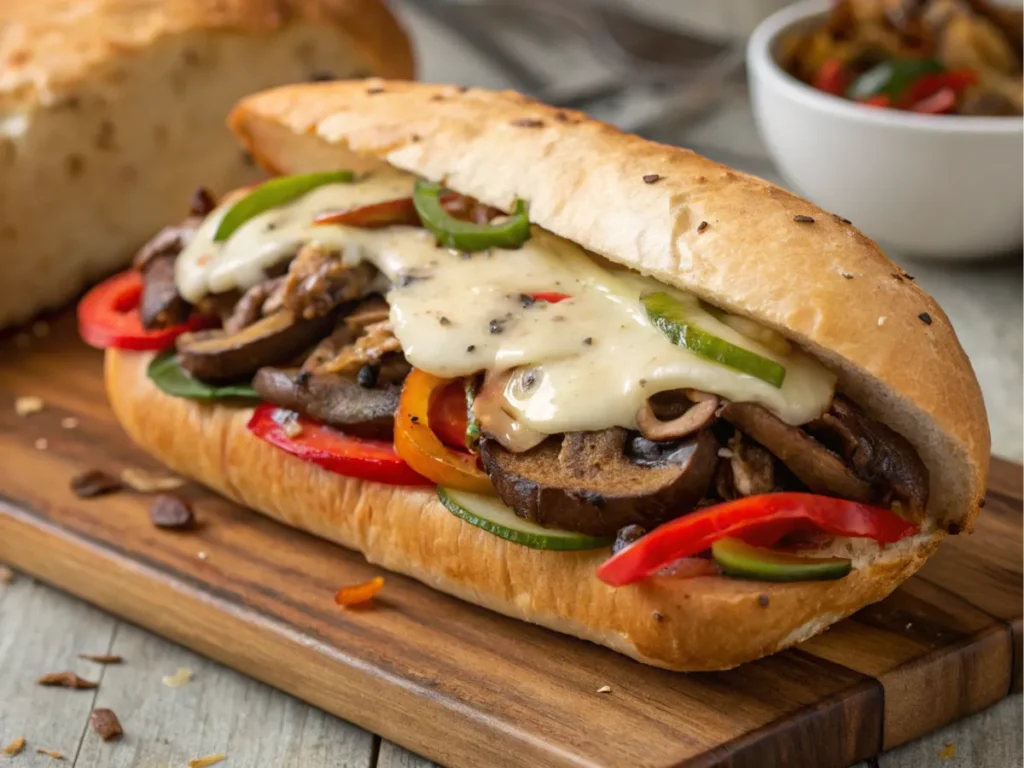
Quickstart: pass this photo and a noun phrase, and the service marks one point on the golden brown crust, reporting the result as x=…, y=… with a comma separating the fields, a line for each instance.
x=47, y=47
x=703, y=623
x=821, y=282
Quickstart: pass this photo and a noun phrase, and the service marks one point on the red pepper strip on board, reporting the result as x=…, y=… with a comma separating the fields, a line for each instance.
x=108, y=316
x=359, y=593
x=746, y=519
x=332, y=449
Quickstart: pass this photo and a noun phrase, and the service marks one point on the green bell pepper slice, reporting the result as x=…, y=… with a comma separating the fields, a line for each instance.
x=671, y=318
x=273, y=193
x=467, y=235
x=891, y=78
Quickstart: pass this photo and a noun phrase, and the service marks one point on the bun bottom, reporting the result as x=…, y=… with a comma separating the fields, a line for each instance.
x=703, y=623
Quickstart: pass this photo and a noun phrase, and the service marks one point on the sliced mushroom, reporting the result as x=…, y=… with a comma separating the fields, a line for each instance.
x=879, y=455
x=169, y=241
x=318, y=281
x=220, y=356
x=161, y=304
x=693, y=419
x=250, y=307
x=751, y=468
x=590, y=482
x=813, y=464
x=490, y=410
x=334, y=400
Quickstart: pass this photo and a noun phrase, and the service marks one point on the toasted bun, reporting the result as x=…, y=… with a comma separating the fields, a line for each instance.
x=701, y=623
x=822, y=284
x=111, y=113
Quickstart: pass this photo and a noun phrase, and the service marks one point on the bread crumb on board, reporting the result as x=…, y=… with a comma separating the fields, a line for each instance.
x=27, y=405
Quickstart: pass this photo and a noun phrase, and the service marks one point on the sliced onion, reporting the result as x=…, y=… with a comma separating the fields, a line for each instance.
x=695, y=419
x=490, y=408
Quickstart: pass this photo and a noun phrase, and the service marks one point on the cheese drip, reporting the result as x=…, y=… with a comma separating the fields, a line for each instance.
x=592, y=359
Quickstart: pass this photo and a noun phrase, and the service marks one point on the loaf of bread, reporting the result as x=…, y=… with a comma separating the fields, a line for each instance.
x=112, y=110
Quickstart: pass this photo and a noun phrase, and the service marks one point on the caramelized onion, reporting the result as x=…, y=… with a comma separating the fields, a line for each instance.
x=696, y=418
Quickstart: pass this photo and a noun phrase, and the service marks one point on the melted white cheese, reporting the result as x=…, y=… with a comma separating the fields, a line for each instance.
x=594, y=359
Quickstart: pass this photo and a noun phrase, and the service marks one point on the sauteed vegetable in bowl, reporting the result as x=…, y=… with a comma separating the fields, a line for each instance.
x=927, y=56
x=907, y=125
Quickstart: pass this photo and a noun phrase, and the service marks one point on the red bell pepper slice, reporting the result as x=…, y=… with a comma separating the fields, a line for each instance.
x=881, y=100
x=551, y=297
x=833, y=77
x=108, y=316
x=374, y=460
x=929, y=85
x=386, y=214
x=939, y=103
x=448, y=417
x=757, y=519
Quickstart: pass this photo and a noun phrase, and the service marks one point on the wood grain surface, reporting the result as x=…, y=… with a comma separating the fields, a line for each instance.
x=464, y=686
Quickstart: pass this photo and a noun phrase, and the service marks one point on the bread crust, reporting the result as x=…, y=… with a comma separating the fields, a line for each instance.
x=45, y=49
x=821, y=283
x=703, y=623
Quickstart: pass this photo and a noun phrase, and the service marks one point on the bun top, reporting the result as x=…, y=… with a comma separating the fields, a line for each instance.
x=736, y=241
x=50, y=46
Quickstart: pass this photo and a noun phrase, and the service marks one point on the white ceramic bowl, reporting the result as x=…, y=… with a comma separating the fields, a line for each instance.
x=927, y=186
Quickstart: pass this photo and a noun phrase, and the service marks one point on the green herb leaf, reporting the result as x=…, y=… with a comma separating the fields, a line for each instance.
x=273, y=193
x=170, y=377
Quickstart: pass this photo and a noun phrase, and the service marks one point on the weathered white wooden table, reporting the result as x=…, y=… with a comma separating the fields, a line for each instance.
x=220, y=711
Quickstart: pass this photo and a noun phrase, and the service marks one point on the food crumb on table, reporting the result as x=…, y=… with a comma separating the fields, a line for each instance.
x=42, y=444
x=17, y=744
x=27, y=405
x=68, y=422
x=605, y=689
x=182, y=677
x=948, y=752
x=202, y=762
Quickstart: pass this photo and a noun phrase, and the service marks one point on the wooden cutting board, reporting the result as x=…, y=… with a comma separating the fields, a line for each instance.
x=464, y=686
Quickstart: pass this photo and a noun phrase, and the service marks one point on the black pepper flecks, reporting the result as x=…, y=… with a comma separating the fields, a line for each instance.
x=702, y=226
x=847, y=276
x=497, y=325
x=642, y=382
x=652, y=178
x=589, y=340
x=925, y=318
x=444, y=320
x=802, y=219
x=471, y=348
x=367, y=377
x=526, y=300
x=414, y=419
x=529, y=379
x=763, y=600
x=593, y=498
x=657, y=616
x=302, y=379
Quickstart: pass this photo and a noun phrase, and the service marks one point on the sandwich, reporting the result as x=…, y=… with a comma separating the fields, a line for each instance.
x=588, y=381
x=97, y=98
